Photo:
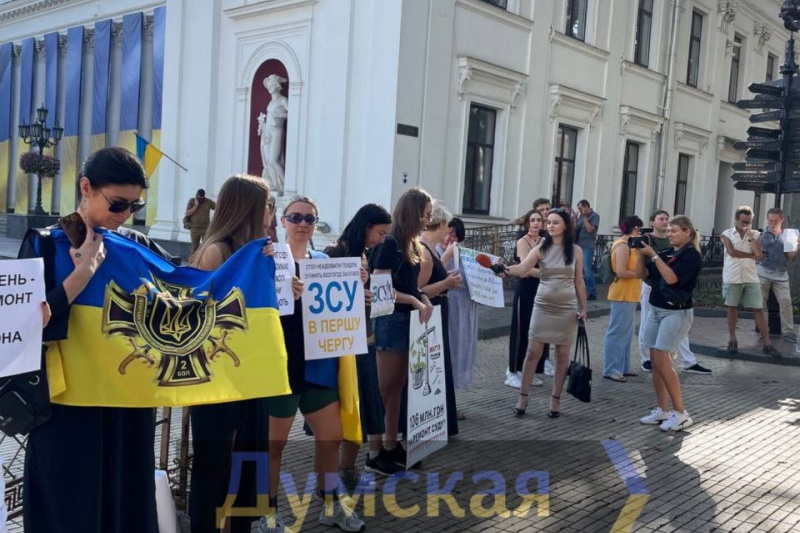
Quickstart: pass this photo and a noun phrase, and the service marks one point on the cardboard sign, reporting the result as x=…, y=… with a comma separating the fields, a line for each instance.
x=427, y=389
x=284, y=272
x=334, y=322
x=484, y=286
x=790, y=238
x=382, y=295
x=21, y=296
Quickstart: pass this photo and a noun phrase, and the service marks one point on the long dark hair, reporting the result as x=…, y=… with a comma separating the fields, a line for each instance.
x=354, y=234
x=567, y=240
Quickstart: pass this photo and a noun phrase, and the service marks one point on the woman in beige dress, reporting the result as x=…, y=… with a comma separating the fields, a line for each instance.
x=559, y=305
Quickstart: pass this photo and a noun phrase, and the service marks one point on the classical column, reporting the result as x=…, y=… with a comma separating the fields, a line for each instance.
x=55, y=202
x=115, y=86
x=39, y=75
x=13, y=154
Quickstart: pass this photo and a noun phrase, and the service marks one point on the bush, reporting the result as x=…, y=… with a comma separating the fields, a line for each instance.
x=43, y=165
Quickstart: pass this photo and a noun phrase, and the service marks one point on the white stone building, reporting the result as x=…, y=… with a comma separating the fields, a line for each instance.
x=487, y=104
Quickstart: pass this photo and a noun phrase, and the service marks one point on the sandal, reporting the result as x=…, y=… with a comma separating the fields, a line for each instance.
x=517, y=410
x=554, y=414
x=733, y=346
x=616, y=377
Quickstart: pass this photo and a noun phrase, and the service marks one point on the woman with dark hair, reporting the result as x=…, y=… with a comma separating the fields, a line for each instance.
x=559, y=305
x=522, y=309
x=91, y=468
x=366, y=230
x=463, y=313
x=242, y=214
x=402, y=256
x=623, y=293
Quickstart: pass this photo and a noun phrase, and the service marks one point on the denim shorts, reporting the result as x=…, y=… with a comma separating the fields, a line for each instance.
x=666, y=328
x=391, y=332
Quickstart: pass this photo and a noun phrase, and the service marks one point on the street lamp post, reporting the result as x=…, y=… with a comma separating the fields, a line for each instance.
x=38, y=134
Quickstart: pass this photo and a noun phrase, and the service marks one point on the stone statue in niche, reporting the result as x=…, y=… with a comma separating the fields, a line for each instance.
x=271, y=128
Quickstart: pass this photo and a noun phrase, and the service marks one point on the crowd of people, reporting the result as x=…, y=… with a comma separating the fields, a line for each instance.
x=103, y=455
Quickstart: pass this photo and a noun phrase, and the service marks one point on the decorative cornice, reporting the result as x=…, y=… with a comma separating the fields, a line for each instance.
x=464, y=74
x=471, y=69
x=493, y=12
x=16, y=50
x=519, y=88
x=586, y=107
x=148, y=25
x=691, y=134
x=267, y=7
x=39, y=47
x=762, y=35
x=645, y=122
x=31, y=8
x=88, y=38
x=727, y=11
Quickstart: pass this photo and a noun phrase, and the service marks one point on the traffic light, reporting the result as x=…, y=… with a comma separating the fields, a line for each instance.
x=773, y=155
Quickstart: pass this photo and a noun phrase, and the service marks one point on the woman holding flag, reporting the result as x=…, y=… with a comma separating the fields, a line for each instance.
x=91, y=468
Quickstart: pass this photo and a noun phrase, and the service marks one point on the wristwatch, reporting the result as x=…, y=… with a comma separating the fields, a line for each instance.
x=655, y=258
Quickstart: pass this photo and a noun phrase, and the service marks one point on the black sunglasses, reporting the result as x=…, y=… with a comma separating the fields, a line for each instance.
x=297, y=218
x=119, y=207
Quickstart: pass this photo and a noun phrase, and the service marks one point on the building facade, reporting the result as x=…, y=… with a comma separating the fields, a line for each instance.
x=487, y=104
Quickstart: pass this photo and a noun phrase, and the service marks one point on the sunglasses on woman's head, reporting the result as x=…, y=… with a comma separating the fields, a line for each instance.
x=297, y=218
x=120, y=207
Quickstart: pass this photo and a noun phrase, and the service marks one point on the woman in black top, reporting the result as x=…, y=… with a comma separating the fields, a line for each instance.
x=674, y=273
x=91, y=468
x=411, y=214
x=435, y=282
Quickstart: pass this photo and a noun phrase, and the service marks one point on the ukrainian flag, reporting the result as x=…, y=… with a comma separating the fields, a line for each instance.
x=148, y=154
x=145, y=333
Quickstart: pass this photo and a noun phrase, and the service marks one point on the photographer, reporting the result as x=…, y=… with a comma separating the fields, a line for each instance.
x=674, y=273
x=623, y=293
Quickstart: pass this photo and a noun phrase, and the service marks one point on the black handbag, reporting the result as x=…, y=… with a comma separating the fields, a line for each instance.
x=580, y=370
x=25, y=398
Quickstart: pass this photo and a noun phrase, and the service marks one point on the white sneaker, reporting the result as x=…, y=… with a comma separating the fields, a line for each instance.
x=676, y=421
x=537, y=382
x=272, y=523
x=513, y=380
x=656, y=416
x=548, y=368
x=339, y=514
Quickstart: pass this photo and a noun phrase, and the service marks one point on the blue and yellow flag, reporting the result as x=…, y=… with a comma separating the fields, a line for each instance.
x=145, y=333
x=148, y=154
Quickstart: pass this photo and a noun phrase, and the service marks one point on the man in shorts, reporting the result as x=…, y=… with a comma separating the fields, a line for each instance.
x=740, y=283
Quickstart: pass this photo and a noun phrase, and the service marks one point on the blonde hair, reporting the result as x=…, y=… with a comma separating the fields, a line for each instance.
x=239, y=214
x=303, y=200
x=683, y=222
x=439, y=215
x=407, y=223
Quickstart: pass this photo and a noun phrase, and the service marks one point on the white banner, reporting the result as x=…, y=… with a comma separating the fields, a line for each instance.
x=21, y=296
x=382, y=295
x=484, y=286
x=284, y=272
x=426, y=430
x=334, y=321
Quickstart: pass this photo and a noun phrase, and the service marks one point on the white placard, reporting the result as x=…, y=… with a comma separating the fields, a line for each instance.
x=426, y=430
x=382, y=295
x=284, y=272
x=21, y=296
x=484, y=286
x=334, y=321
x=790, y=240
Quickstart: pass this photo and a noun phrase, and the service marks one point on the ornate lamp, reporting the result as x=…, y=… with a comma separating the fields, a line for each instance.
x=39, y=134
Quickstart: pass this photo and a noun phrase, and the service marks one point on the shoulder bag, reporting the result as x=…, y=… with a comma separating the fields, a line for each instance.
x=580, y=370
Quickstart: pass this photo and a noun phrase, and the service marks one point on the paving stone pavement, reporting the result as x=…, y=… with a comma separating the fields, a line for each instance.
x=735, y=469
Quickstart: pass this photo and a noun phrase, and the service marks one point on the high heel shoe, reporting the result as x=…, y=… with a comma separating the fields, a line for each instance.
x=554, y=414
x=517, y=410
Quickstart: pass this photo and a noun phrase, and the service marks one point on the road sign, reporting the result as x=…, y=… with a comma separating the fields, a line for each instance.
x=758, y=186
x=765, y=117
x=763, y=88
x=773, y=155
x=760, y=165
x=755, y=176
x=762, y=144
x=769, y=133
x=790, y=186
x=765, y=103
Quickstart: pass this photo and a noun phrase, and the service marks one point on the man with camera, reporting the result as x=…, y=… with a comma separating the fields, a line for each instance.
x=657, y=238
x=586, y=237
x=198, y=213
x=740, y=282
x=773, y=269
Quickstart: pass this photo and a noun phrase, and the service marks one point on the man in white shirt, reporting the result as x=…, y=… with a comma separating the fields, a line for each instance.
x=740, y=283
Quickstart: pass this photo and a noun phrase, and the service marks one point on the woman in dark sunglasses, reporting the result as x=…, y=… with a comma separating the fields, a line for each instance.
x=91, y=468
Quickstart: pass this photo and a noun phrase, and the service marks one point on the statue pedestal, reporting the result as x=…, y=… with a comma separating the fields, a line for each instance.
x=18, y=225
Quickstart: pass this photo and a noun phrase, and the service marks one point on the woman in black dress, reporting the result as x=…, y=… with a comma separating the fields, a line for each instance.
x=91, y=468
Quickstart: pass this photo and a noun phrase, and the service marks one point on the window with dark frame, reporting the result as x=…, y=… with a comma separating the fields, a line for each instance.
x=502, y=4
x=630, y=175
x=682, y=184
x=695, y=41
x=736, y=57
x=480, y=158
x=771, y=61
x=564, y=168
x=644, y=24
x=576, y=19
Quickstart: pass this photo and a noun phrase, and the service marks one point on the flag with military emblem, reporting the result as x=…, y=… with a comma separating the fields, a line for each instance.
x=146, y=333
